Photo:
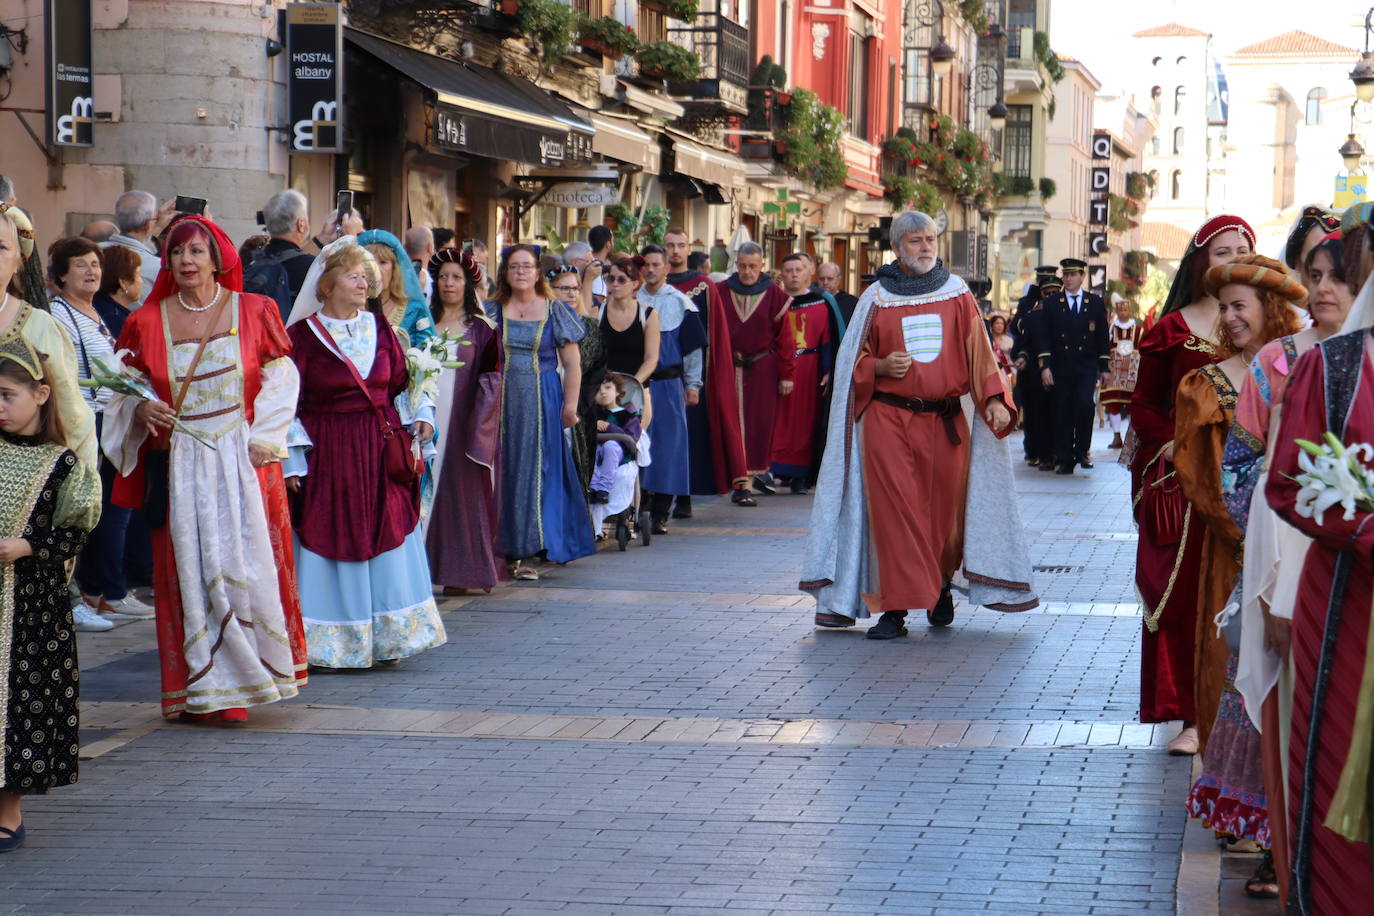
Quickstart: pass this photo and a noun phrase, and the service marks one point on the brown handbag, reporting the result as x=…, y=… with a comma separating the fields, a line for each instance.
x=398, y=453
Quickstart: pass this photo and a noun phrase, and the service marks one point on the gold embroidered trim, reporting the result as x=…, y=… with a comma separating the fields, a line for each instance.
x=1152, y=618
x=1200, y=345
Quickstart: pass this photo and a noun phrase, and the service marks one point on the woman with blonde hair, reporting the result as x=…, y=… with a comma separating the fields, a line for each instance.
x=364, y=577
x=402, y=301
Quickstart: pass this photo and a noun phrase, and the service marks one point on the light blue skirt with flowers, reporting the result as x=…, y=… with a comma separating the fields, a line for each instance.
x=359, y=613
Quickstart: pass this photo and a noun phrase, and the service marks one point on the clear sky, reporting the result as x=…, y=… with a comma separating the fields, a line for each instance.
x=1098, y=32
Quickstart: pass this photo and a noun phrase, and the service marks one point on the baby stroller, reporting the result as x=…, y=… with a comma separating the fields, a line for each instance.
x=624, y=504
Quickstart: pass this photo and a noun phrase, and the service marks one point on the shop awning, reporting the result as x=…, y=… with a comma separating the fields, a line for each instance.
x=619, y=139
x=707, y=165
x=486, y=113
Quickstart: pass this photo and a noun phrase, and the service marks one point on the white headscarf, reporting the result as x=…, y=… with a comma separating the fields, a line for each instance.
x=1361, y=314
x=308, y=300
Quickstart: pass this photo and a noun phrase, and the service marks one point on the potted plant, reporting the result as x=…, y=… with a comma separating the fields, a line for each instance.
x=685, y=10
x=608, y=37
x=667, y=61
x=552, y=24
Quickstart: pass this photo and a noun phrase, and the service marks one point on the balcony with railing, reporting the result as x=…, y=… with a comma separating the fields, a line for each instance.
x=722, y=45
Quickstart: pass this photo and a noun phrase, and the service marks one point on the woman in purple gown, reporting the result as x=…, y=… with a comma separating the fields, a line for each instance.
x=461, y=541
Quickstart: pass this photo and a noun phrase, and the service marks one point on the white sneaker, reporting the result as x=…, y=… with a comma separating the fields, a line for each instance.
x=87, y=620
x=128, y=606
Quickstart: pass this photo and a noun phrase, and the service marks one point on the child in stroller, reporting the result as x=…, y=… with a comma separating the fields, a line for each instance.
x=622, y=449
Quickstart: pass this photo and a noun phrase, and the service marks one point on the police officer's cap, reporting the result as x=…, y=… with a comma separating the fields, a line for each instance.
x=1051, y=284
x=1069, y=265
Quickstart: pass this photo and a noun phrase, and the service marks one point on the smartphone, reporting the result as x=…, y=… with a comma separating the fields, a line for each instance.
x=194, y=205
x=343, y=206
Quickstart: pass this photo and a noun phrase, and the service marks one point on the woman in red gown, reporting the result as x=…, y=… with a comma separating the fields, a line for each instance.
x=1169, y=547
x=1331, y=389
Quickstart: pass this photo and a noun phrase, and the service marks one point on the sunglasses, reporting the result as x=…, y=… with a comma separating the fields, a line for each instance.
x=614, y=279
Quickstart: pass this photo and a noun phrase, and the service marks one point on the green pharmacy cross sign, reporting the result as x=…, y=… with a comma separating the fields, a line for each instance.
x=783, y=209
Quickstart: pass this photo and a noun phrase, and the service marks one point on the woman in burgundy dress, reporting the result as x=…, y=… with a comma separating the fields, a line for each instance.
x=1168, y=550
x=461, y=541
x=364, y=578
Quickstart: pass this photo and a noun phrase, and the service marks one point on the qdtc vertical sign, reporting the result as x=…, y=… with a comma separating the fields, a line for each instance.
x=70, y=90
x=314, y=83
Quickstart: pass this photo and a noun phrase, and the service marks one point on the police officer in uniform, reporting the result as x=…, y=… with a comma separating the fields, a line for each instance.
x=1032, y=399
x=1073, y=353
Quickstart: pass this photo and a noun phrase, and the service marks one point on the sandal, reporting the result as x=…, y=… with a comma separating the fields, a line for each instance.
x=10, y=840
x=1264, y=883
x=743, y=498
x=528, y=573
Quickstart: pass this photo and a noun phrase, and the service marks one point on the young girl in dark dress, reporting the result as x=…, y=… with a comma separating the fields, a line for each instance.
x=49, y=502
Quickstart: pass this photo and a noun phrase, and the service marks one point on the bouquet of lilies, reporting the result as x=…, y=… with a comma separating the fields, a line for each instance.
x=425, y=362
x=1334, y=473
x=122, y=379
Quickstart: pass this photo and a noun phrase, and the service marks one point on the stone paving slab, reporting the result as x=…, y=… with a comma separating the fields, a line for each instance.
x=231, y=822
x=655, y=731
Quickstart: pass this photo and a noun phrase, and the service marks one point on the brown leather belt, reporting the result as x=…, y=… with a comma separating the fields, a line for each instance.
x=945, y=408
x=747, y=361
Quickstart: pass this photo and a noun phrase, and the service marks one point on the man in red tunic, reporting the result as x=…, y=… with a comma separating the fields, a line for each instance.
x=808, y=323
x=713, y=417
x=896, y=477
x=763, y=354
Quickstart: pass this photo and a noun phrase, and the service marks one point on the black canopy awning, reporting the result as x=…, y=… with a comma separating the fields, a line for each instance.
x=486, y=113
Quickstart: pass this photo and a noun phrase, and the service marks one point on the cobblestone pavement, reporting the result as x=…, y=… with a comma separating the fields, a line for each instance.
x=658, y=731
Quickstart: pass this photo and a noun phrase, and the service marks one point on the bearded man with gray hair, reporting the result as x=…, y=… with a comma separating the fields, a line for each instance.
x=903, y=469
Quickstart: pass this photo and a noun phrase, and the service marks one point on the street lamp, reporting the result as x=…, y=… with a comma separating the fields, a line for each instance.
x=997, y=115
x=1351, y=153
x=941, y=58
x=1363, y=74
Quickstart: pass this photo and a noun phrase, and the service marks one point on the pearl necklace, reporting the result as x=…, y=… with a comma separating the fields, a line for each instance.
x=201, y=308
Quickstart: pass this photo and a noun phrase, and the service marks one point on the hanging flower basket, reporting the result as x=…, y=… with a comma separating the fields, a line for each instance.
x=608, y=37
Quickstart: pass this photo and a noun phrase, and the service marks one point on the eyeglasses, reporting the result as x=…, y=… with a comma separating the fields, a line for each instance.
x=565, y=288
x=522, y=268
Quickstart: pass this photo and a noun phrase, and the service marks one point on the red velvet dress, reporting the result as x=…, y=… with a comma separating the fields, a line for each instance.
x=1167, y=565
x=1339, y=873
x=763, y=354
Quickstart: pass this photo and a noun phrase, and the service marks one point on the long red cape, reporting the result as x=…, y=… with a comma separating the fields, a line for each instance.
x=722, y=402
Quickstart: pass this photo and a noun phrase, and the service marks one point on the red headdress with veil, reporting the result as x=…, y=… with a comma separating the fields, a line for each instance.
x=228, y=266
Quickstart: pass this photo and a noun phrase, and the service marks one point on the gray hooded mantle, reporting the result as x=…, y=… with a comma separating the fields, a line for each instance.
x=839, y=564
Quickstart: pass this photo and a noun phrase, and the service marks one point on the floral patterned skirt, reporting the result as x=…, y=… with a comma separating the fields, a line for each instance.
x=1229, y=795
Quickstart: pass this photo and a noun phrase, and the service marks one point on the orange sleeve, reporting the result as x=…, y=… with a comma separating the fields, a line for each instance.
x=986, y=380
x=1200, y=428
x=865, y=372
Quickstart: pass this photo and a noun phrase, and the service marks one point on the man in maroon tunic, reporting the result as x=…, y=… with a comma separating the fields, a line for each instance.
x=798, y=423
x=763, y=352
x=713, y=419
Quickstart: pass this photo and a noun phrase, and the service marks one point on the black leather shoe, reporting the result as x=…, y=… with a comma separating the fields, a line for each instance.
x=825, y=619
x=889, y=626
x=660, y=526
x=1085, y=462
x=1064, y=469
x=682, y=507
x=942, y=615
x=743, y=498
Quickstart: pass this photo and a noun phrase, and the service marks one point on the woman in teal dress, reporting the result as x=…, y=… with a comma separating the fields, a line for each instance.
x=543, y=507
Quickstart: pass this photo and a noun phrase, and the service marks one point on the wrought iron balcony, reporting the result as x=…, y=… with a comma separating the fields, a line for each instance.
x=723, y=48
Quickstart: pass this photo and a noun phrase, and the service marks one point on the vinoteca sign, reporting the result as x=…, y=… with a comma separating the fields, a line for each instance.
x=314, y=84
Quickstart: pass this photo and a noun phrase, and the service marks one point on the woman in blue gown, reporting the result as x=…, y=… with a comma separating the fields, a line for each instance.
x=543, y=508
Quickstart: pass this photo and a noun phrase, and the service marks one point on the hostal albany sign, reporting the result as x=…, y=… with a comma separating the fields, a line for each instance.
x=314, y=84
x=71, y=98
